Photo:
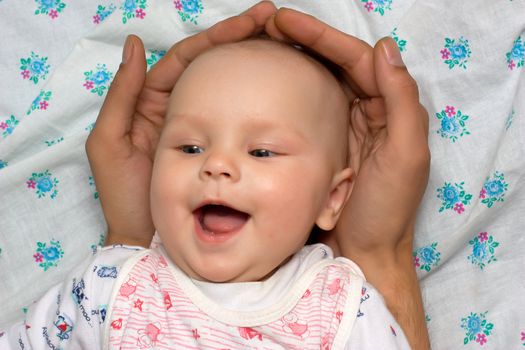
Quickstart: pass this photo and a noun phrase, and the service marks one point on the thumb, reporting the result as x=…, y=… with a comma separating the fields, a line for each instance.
x=116, y=114
x=406, y=118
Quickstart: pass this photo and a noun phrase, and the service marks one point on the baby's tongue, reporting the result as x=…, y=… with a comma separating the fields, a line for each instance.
x=221, y=219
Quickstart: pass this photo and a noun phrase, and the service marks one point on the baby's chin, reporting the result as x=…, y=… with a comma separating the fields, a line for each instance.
x=225, y=276
x=234, y=274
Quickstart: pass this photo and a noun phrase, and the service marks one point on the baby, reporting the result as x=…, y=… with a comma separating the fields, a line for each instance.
x=252, y=156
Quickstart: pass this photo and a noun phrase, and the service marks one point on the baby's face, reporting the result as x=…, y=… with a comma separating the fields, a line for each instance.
x=246, y=162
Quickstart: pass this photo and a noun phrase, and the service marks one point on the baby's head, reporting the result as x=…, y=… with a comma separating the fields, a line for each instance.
x=253, y=155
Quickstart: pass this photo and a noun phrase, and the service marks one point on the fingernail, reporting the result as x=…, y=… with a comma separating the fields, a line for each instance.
x=393, y=56
x=128, y=50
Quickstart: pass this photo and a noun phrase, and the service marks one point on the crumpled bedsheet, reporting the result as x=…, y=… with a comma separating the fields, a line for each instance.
x=58, y=58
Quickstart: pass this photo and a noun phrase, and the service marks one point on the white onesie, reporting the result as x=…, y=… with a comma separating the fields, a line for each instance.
x=134, y=298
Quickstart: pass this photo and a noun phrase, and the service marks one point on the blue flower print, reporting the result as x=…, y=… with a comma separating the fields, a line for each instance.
x=49, y=7
x=473, y=324
x=98, y=81
x=477, y=328
x=41, y=102
x=94, y=247
x=516, y=56
x=378, y=6
x=3, y=164
x=493, y=189
x=100, y=77
x=103, y=13
x=8, y=126
x=453, y=123
x=50, y=143
x=450, y=194
x=427, y=257
x=51, y=253
x=456, y=52
x=133, y=9
x=34, y=67
x=44, y=184
x=90, y=127
x=401, y=43
x=453, y=197
x=189, y=10
x=483, y=250
x=154, y=57
x=48, y=255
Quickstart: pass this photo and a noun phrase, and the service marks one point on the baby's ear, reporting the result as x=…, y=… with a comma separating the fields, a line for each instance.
x=342, y=184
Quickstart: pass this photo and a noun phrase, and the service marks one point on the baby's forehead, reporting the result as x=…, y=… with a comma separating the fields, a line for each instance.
x=265, y=54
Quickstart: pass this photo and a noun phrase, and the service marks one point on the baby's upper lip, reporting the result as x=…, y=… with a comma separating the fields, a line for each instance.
x=216, y=202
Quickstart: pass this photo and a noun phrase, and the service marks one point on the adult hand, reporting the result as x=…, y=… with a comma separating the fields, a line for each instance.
x=389, y=152
x=121, y=147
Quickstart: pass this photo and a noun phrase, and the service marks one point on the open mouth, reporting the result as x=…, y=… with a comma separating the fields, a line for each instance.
x=220, y=219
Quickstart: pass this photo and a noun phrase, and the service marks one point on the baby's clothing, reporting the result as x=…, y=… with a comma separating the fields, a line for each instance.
x=134, y=298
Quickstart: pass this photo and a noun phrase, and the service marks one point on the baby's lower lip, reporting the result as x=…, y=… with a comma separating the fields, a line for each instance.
x=211, y=237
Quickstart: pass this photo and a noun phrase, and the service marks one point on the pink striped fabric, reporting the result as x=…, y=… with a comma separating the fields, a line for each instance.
x=152, y=311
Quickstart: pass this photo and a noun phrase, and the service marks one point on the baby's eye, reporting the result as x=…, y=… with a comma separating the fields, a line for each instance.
x=260, y=153
x=191, y=149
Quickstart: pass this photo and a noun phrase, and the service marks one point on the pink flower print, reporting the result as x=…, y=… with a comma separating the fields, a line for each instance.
x=53, y=14
x=481, y=338
x=3, y=125
x=416, y=262
x=249, y=333
x=178, y=5
x=89, y=85
x=483, y=236
x=38, y=257
x=96, y=19
x=450, y=110
x=128, y=288
x=369, y=6
x=459, y=208
x=482, y=193
x=25, y=74
x=445, y=54
x=44, y=105
x=30, y=184
x=522, y=336
x=139, y=13
x=511, y=64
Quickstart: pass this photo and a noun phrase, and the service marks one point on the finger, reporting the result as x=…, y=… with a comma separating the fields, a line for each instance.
x=407, y=120
x=165, y=73
x=352, y=54
x=260, y=13
x=114, y=119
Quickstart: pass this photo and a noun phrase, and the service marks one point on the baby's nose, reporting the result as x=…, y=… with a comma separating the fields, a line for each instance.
x=220, y=165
